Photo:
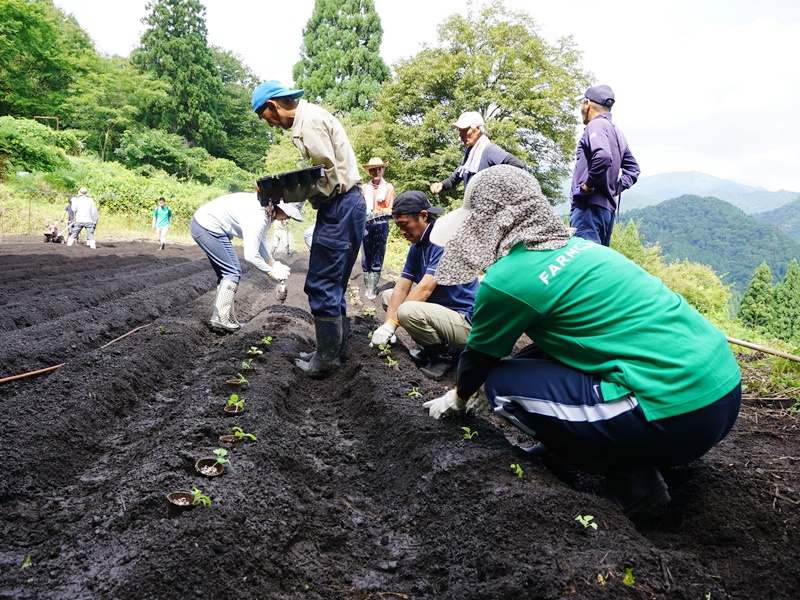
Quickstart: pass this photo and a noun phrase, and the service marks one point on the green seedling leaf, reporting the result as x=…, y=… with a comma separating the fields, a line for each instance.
x=234, y=400
x=468, y=434
x=414, y=393
x=517, y=470
x=587, y=521
x=198, y=497
x=221, y=454
x=26, y=563
x=239, y=433
x=628, y=579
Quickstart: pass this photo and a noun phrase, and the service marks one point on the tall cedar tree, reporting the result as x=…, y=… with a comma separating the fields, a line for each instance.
x=786, y=324
x=758, y=303
x=340, y=62
x=175, y=49
x=495, y=63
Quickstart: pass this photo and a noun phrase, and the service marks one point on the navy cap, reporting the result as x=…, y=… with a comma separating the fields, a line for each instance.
x=602, y=94
x=413, y=202
x=273, y=89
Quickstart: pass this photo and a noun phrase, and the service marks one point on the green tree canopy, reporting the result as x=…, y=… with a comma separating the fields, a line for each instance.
x=112, y=99
x=493, y=62
x=786, y=324
x=42, y=52
x=758, y=306
x=175, y=49
x=340, y=62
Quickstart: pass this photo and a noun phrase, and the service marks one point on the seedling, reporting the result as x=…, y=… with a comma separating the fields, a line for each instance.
x=221, y=454
x=628, y=579
x=242, y=379
x=198, y=497
x=234, y=400
x=266, y=340
x=239, y=433
x=26, y=563
x=587, y=521
x=390, y=361
x=254, y=351
x=414, y=393
x=247, y=363
x=369, y=311
x=162, y=329
x=468, y=434
x=517, y=470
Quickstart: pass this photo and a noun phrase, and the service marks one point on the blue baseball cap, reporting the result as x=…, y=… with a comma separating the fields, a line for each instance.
x=272, y=89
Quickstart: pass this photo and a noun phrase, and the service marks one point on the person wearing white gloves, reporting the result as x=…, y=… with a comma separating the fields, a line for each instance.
x=240, y=215
x=437, y=317
x=624, y=378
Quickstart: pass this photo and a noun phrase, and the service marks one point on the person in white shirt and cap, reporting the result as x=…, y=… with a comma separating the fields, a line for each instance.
x=240, y=215
x=480, y=153
x=85, y=217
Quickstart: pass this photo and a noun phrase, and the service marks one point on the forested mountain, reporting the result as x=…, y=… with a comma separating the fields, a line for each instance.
x=714, y=232
x=786, y=219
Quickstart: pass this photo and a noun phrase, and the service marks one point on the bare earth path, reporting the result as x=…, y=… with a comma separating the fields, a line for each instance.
x=351, y=490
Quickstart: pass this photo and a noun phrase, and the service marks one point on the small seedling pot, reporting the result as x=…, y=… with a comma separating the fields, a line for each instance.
x=209, y=467
x=249, y=371
x=232, y=410
x=229, y=439
x=179, y=502
x=357, y=319
x=234, y=384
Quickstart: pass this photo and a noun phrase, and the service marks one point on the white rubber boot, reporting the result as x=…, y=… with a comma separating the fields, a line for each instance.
x=70, y=241
x=91, y=244
x=224, y=306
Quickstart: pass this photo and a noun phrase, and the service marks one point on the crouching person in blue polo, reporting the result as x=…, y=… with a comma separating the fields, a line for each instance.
x=626, y=378
x=437, y=317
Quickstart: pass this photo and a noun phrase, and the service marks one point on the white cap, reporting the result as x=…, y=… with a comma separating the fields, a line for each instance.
x=292, y=209
x=467, y=120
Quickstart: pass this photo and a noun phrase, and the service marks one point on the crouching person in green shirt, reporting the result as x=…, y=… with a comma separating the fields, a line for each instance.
x=625, y=378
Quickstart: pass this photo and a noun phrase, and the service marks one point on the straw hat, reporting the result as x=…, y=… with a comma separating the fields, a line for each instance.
x=374, y=163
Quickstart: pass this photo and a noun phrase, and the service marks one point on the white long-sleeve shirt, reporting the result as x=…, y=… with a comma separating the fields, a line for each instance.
x=85, y=209
x=239, y=215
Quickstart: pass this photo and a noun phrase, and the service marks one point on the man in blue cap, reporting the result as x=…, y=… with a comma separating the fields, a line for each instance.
x=605, y=168
x=339, y=230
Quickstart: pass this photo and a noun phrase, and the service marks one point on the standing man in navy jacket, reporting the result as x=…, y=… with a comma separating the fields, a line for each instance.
x=604, y=168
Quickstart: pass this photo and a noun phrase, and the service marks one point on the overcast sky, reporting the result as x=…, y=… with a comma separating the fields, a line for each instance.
x=701, y=85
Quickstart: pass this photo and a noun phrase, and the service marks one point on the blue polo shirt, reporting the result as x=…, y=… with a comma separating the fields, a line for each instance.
x=423, y=258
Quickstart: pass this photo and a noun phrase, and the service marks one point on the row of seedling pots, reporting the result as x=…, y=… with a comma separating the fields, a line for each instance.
x=212, y=466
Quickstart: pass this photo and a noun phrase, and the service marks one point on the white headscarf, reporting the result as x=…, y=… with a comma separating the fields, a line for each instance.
x=503, y=206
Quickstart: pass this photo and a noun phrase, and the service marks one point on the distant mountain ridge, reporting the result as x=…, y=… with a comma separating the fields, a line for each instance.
x=653, y=189
x=713, y=232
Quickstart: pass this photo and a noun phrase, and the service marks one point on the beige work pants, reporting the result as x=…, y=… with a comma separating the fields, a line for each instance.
x=430, y=324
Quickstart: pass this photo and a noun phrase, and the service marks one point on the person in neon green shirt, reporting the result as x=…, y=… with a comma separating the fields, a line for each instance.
x=625, y=377
x=162, y=220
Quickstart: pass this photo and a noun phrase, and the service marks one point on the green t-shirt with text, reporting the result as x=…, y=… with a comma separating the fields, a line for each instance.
x=591, y=308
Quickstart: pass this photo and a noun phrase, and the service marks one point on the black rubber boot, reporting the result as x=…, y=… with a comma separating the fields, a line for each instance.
x=419, y=356
x=555, y=463
x=639, y=492
x=306, y=356
x=329, y=346
x=440, y=361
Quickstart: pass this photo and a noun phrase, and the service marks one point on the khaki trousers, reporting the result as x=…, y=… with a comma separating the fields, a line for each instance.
x=430, y=324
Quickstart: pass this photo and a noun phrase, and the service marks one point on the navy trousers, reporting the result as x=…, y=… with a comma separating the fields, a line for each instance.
x=593, y=223
x=373, y=249
x=565, y=410
x=334, y=248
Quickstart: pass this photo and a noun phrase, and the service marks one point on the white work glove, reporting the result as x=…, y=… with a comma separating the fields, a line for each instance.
x=384, y=335
x=478, y=403
x=447, y=405
x=279, y=270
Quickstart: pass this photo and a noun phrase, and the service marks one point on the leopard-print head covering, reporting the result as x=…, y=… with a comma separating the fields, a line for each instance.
x=503, y=205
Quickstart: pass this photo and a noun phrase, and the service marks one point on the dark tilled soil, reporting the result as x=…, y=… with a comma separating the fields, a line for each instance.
x=351, y=490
